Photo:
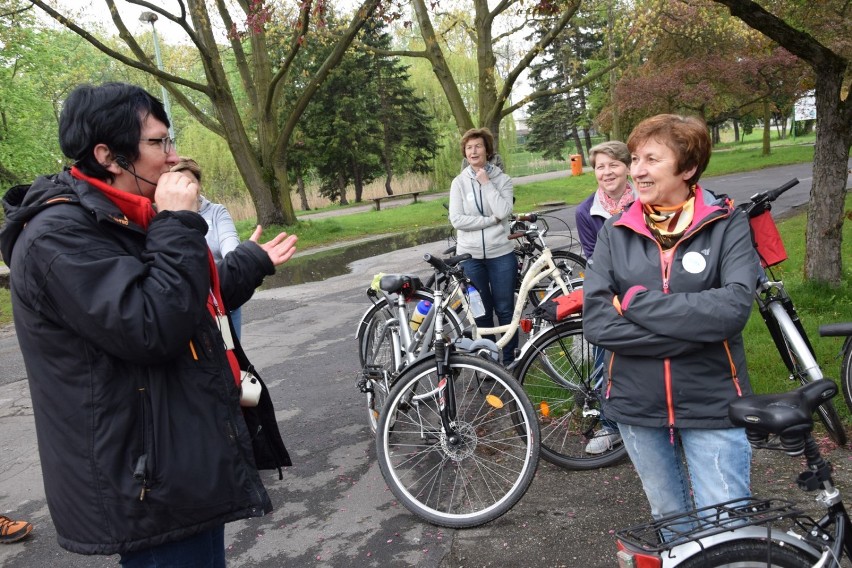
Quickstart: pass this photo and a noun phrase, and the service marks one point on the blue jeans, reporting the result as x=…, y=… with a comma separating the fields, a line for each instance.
x=598, y=374
x=495, y=279
x=718, y=466
x=237, y=320
x=204, y=550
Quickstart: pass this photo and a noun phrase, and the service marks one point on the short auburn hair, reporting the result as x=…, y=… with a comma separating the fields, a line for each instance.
x=687, y=136
x=486, y=136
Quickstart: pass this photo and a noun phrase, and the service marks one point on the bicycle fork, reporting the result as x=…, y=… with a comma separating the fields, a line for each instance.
x=787, y=332
x=446, y=387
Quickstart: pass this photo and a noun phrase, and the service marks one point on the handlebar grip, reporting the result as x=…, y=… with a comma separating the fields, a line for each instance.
x=773, y=194
x=436, y=262
x=458, y=259
x=530, y=217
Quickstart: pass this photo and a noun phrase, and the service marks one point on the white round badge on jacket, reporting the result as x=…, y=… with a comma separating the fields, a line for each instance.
x=694, y=262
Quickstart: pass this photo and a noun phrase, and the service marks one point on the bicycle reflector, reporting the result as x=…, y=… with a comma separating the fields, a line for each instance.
x=494, y=401
x=628, y=558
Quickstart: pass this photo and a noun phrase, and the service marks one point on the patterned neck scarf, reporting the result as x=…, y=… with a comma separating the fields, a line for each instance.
x=668, y=224
x=611, y=205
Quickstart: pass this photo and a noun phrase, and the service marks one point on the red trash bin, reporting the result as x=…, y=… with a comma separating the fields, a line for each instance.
x=576, y=164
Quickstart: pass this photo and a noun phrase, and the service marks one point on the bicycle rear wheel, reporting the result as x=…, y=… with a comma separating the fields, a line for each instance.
x=474, y=476
x=758, y=553
x=383, y=360
x=557, y=371
x=571, y=265
x=378, y=313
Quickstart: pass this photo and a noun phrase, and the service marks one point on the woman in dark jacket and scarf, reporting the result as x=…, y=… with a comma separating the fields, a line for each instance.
x=668, y=292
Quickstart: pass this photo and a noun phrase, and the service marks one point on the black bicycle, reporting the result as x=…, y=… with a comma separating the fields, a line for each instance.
x=777, y=309
x=755, y=532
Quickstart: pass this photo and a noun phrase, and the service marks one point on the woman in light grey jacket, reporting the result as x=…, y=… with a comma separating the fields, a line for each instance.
x=221, y=235
x=480, y=205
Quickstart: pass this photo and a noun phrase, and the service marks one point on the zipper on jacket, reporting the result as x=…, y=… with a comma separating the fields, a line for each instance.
x=140, y=472
x=480, y=206
x=734, y=376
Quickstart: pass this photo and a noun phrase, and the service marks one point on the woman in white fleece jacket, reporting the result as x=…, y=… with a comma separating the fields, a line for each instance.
x=480, y=205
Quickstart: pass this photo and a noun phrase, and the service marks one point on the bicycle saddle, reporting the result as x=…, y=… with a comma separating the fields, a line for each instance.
x=788, y=413
x=836, y=329
x=400, y=283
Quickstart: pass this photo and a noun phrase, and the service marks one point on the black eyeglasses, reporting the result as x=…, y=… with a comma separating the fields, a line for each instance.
x=167, y=141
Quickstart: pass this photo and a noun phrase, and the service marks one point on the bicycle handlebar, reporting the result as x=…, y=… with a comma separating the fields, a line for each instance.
x=764, y=198
x=528, y=217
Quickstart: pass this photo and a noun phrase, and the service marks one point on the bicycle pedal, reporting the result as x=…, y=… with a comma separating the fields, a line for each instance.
x=373, y=373
x=364, y=385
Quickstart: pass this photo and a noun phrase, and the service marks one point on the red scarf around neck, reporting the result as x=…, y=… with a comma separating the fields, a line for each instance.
x=138, y=209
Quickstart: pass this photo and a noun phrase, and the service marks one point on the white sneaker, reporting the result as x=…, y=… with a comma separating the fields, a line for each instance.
x=603, y=441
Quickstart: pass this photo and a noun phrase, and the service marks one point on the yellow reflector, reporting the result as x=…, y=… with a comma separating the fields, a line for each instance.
x=545, y=408
x=494, y=401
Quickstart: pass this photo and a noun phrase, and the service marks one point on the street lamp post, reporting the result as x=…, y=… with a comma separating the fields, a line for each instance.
x=151, y=17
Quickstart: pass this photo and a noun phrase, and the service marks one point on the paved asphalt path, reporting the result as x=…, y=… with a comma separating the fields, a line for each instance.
x=333, y=507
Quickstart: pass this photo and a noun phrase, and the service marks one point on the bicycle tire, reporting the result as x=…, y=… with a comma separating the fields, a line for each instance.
x=380, y=309
x=384, y=358
x=833, y=424
x=556, y=373
x=477, y=479
x=846, y=372
x=750, y=554
x=572, y=266
x=826, y=412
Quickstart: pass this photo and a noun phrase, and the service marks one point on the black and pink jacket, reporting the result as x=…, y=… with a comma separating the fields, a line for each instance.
x=676, y=356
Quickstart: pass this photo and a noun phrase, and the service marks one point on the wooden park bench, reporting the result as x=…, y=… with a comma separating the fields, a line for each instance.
x=378, y=200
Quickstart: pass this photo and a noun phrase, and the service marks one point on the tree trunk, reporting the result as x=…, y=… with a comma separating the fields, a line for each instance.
x=613, y=75
x=766, y=128
x=303, y=197
x=736, y=130
x=358, y=181
x=341, y=188
x=578, y=144
x=588, y=137
x=824, y=237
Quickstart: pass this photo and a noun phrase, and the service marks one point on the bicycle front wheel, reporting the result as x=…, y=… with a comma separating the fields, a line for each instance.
x=476, y=472
x=846, y=372
x=559, y=374
x=758, y=553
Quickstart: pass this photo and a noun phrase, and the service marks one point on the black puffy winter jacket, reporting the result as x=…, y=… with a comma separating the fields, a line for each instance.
x=140, y=436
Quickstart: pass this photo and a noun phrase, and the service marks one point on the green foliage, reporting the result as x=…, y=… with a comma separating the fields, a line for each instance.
x=555, y=119
x=5, y=307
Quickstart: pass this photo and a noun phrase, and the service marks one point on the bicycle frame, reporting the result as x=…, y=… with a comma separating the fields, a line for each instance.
x=786, y=330
x=542, y=268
